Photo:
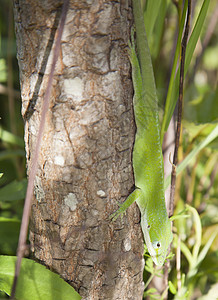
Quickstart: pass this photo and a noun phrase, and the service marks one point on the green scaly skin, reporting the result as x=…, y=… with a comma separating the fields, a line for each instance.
x=147, y=152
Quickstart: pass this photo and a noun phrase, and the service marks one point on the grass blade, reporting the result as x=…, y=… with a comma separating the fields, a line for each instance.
x=150, y=16
x=173, y=91
x=167, y=116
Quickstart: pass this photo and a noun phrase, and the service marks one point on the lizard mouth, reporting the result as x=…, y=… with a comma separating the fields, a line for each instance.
x=158, y=260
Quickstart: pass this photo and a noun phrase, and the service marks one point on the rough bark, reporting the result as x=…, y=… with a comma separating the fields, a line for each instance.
x=85, y=162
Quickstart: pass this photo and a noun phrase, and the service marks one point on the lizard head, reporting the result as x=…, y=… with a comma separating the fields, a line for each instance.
x=157, y=239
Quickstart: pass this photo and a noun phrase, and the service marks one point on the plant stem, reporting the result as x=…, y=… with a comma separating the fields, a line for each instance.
x=27, y=206
x=180, y=105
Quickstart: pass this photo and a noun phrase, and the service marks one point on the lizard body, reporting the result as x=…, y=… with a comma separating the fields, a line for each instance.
x=147, y=153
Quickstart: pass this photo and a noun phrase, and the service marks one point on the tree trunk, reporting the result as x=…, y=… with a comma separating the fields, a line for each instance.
x=84, y=166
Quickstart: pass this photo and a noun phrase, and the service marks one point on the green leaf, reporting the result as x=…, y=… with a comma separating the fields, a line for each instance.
x=177, y=217
x=193, y=153
x=149, y=267
x=35, y=282
x=9, y=233
x=193, y=271
x=9, y=137
x=150, y=16
x=202, y=109
x=206, y=248
x=170, y=256
x=185, y=250
x=198, y=232
x=172, y=288
x=3, y=70
x=11, y=153
x=16, y=190
x=155, y=43
x=151, y=292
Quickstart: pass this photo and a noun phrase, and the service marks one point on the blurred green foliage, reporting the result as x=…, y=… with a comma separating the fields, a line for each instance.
x=12, y=154
x=194, y=266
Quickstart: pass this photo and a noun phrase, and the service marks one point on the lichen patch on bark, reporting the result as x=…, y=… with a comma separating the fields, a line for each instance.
x=71, y=201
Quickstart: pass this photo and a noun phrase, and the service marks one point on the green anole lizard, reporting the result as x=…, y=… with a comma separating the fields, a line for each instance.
x=147, y=153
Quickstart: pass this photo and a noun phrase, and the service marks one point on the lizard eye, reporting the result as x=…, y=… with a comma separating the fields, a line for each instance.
x=156, y=245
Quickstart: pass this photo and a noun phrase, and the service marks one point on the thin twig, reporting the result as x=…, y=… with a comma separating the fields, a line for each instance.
x=180, y=105
x=27, y=206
